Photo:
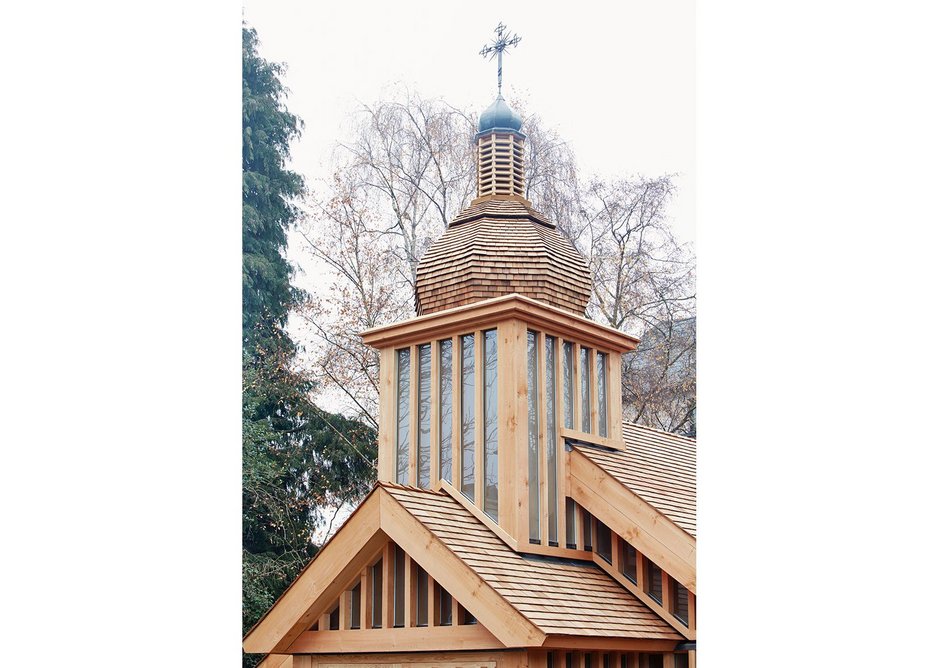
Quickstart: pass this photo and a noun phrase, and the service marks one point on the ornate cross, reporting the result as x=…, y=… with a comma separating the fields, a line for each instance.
x=502, y=42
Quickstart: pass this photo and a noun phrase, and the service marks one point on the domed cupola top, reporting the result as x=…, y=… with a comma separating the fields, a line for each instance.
x=499, y=116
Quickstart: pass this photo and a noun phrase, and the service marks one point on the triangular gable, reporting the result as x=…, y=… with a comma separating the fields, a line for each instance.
x=632, y=517
x=362, y=540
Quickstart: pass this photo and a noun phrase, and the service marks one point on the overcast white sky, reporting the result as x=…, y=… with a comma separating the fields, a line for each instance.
x=617, y=80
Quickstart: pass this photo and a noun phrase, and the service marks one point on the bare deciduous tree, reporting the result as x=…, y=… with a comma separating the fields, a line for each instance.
x=410, y=168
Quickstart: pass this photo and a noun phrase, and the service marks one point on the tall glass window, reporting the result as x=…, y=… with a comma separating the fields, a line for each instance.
x=423, y=416
x=534, y=497
x=356, y=621
x=399, y=593
x=568, y=385
x=490, y=433
x=446, y=410
x=601, y=394
x=551, y=434
x=571, y=523
x=377, y=586
x=468, y=412
x=403, y=415
x=628, y=565
x=585, y=384
x=423, y=597
x=653, y=579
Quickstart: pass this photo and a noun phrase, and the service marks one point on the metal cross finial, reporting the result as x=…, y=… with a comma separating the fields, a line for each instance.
x=502, y=42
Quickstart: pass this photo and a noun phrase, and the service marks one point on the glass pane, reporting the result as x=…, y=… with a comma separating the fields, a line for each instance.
x=585, y=384
x=398, y=586
x=446, y=410
x=423, y=416
x=468, y=400
x=604, y=541
x=678, y=600
x=423, y=593
x=534, y=496
x=568, y=385
x=490, y=403
x=356, y=621
x=652, y=580
x=445, y=606
x=334, y=619
x=571, y=524
x=629, y=566
x=551, y=434
x=403, y=415
x=601, y=393
x=587, y=530
x=377, y=586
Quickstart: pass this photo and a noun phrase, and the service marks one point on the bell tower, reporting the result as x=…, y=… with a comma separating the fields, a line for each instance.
x=480, y=393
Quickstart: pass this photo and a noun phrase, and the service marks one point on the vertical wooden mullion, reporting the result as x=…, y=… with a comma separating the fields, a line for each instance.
x=345, y=610
x=540, y=343
x=387, y=587
x=668, y=661
x=614, y=399
x=480, y=419
x=640, y=570
x=561, y=450
x=368, y=586
x=414, y=417
x=457, y=413
x=410, y=593
x=666, y=592
x=617, y=548
x=580, y=515
x=434, y=414
x=594, y=391
x=387, y=414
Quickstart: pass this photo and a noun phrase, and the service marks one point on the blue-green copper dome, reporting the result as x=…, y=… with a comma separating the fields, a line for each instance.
x=499, y=115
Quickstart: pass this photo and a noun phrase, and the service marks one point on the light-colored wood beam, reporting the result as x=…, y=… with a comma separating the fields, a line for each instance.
x=634, y=519
x=466, y=586
x=410, y=639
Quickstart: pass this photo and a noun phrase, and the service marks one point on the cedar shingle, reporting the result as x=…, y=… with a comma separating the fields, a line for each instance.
x=557, y=595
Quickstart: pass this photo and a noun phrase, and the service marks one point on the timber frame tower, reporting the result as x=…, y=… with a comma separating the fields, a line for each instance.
x=517, y=521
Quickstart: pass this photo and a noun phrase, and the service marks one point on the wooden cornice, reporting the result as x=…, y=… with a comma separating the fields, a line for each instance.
x=491, y=311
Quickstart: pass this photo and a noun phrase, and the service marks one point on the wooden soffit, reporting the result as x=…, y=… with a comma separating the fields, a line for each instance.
x=491, y=311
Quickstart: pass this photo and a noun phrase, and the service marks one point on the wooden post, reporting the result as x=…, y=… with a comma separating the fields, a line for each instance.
x=432, y=612
x=368, y=587
x=577, y=399
x=387, y=584
x=387, y=412
x=614, y=400
x=345, y=610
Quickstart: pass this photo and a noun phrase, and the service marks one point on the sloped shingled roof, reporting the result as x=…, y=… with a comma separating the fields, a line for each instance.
x=498, y=247
x=558, y=596
x=659, y=467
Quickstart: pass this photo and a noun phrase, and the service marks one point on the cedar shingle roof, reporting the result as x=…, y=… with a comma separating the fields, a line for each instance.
x=659, y=467
x=558, y=596
x=498, y=247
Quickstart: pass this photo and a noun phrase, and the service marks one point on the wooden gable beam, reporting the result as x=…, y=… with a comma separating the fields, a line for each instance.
x=491, y=610
x=340, y=560
x=634, y=519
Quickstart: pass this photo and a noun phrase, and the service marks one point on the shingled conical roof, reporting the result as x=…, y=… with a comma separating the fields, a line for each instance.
x=497, y=247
